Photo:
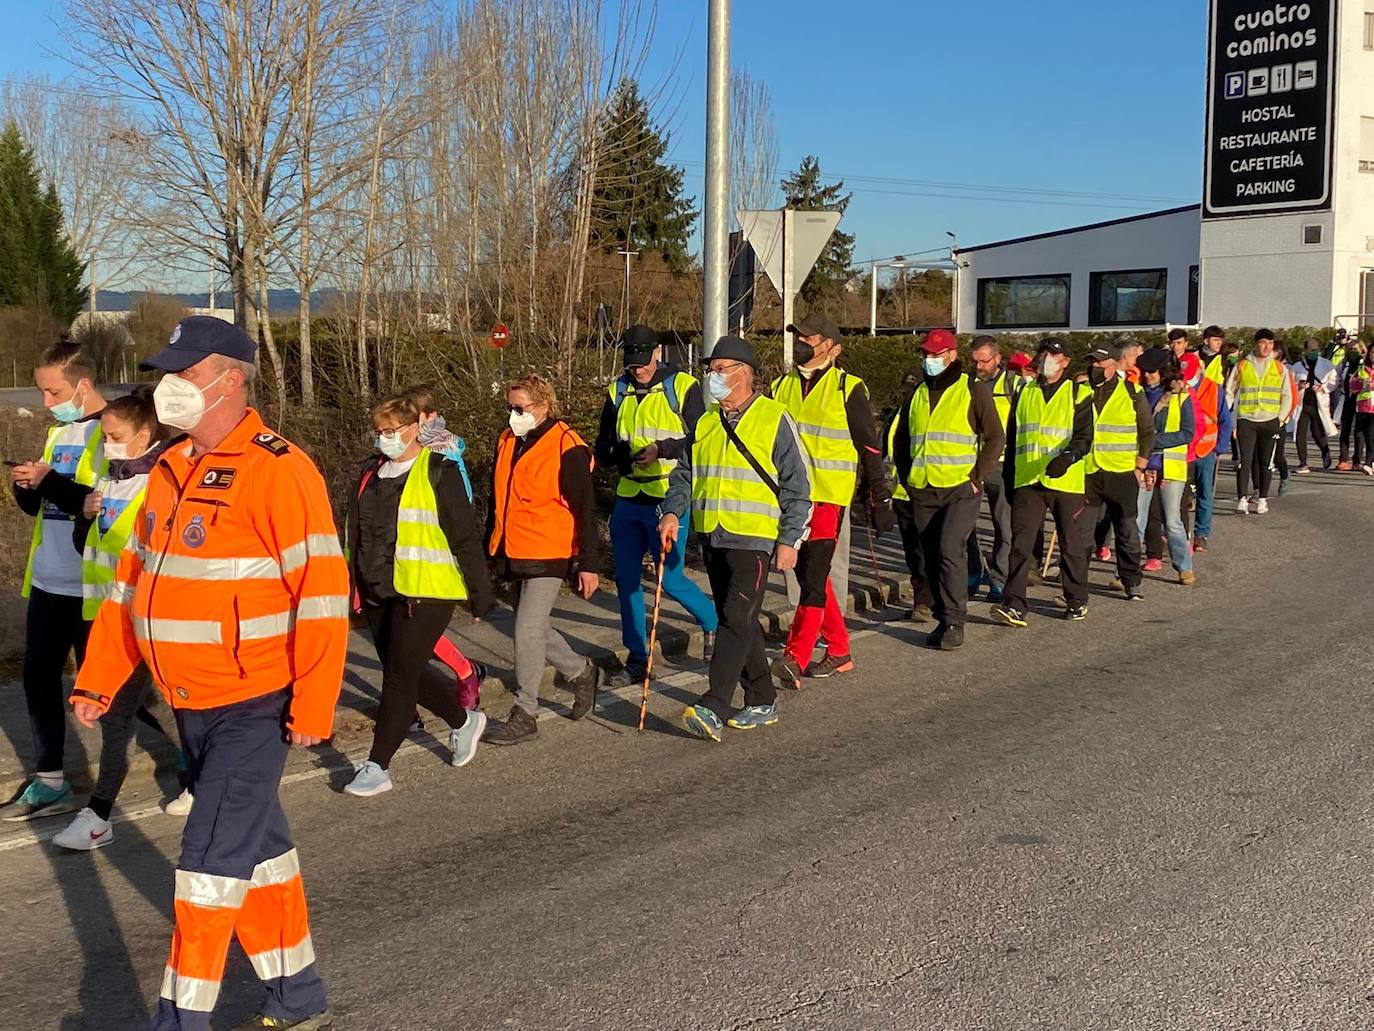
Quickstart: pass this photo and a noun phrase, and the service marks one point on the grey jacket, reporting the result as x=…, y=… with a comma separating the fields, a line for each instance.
x=794, y=489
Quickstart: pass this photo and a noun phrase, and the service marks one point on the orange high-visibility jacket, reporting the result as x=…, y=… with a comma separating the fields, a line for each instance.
x=1208, y=397
x=232, y=585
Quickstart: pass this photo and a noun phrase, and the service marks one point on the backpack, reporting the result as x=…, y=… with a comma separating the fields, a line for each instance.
x=669, y=383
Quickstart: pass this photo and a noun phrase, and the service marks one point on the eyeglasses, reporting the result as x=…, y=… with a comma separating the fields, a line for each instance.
x=713, y=367
x=392, y=432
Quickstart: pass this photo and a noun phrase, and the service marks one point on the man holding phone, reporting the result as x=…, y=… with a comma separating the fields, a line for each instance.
x=650, y=413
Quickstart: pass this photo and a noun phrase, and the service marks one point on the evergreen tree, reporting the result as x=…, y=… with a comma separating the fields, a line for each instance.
x=803, y=191
x=637, y=202
x=38, y=267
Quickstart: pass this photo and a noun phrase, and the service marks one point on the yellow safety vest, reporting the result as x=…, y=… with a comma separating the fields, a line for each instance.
x=1003, y=394
x=1116, y=439
x=1261, y=397
x=1043, y=430
x=898, y=487
x=1175, y=458
x=1216, y=370
x=944, y=447
x=726, y=492
x=89, y=468
x=100, y=558
x=641, y=421
x=823, y=425
x=424, y=566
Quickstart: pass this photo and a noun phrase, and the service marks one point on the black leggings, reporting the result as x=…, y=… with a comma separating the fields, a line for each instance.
x=55, y=629
x=1364, y=437
x=1256, y=441
x=405, y=633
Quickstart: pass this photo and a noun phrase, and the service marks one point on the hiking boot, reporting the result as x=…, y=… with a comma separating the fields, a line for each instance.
x=1008, y=615
x=921, y=614
x=584, y=690
x=1187, y=578
x=1115, y=584
x=787, y=671
x=951, y=639
x=1076, y=612
x=702, y=722
x=370, y=780
x=708, y=646
x=38, y=800
x=518, y=726
x=262, y=1022
x=462, y=741
x=1199, y=544
x=754, y=716
x=633, y=672
x=829, y=666
x=88, y=831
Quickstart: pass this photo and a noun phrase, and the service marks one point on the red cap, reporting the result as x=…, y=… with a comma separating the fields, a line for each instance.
x=1019, y=360
x=938, y=341
x=1190, y=365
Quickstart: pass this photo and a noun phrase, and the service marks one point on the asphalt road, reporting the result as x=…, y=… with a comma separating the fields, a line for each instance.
x=1156, y=818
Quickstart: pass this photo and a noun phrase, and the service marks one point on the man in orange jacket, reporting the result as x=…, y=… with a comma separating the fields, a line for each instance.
x=234, y=591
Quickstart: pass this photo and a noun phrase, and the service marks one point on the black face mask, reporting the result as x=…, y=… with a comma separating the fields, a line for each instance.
x=802, y=352
x=1096, y=376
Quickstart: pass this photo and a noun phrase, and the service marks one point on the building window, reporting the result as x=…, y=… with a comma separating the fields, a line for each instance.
x=1311, y=235
x=1367, y=144
x=1023, y=302
x=1369, y=30
x=1134, y=298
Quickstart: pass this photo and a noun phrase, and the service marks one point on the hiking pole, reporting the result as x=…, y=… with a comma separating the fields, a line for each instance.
x=1049, y=554
x=873, y=558
x=653, y=637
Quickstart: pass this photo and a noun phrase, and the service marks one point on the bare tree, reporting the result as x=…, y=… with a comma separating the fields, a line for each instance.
x=753, y=144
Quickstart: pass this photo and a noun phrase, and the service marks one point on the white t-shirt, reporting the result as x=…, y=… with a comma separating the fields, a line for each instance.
x=390, y=470
x=57, y=563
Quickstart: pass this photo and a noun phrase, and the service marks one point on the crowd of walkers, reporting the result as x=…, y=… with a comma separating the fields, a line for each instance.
x=188, y=557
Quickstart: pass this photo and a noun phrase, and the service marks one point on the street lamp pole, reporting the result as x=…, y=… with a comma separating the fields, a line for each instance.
x=715, y=239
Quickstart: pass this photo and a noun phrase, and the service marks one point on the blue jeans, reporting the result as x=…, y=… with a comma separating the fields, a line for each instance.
x=1171, y=501
x=1205, y=482
x=634, y=533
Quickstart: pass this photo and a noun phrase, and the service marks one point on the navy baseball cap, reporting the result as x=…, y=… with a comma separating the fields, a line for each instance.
x=199, y=336
x=638, y=344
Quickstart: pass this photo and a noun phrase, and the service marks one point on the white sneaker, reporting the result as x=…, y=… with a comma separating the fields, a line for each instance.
x=179, y=806
x=86, y=832
x=370, y=780
x=1261, y=506
x=1242, y=506
x=463, y=741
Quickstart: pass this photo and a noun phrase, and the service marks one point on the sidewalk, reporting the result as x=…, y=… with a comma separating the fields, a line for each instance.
x=592, y=627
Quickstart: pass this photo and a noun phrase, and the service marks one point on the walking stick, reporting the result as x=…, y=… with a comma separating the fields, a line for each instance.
x=653, y=637
x=873, y=559
x=1049, y=554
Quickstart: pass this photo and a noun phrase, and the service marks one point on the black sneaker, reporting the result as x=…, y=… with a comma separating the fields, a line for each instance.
x=829, y=666
x=952, y=639
x=1076, y=612
x=1133, y=593
x=584, y=690
x=519, y=726
x=1008, y=615
x=934, y=638
x=785, y=668
x=708, y=646
x=262, y=1022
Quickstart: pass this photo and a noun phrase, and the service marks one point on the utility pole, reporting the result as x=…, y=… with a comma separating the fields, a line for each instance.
x=212, y=281
x=625, y=293
x=716, y=235
x=90, y=268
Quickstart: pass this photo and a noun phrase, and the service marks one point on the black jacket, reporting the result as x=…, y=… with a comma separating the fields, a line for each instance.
x=373, y=549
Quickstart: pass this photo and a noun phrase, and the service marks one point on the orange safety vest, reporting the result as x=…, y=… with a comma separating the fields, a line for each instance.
x=533, y=521
x=1208, y=395
x=232, y=585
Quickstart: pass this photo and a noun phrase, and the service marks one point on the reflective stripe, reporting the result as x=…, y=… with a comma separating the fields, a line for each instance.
x=1115, y=447
x=178, y=631
x=212, y=890
x=259, y=628
x=316, y=545
x=834, y=464
x=189, y=993
x=284, y=962
x=946, y=459
x=736, y=505
x=726, y=472
x=815, y=429
x=656, y=433
x=323, y=606
x=1108, y=427
x=277, y=871
x=943, y=437
x=188, y=567
x=120, y=592
x=417, y=515
x=414, y=554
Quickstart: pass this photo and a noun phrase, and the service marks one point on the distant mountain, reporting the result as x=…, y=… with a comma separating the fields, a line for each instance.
x=281, y=303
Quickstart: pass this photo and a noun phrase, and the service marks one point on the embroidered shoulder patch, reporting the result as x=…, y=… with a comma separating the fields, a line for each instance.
x=273, y=443
x=218, y=479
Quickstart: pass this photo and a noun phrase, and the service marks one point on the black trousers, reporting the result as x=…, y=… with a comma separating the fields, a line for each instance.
x=1350, y=423
x=1310, y=423
x=814, y=559
x=1112, y=500
x=739, y=581
x=1074, y=525
x=944, y=520
x=911, y=551
x=53, y=631
x=1256, y=441
x=1364, y=437
x=405, y=633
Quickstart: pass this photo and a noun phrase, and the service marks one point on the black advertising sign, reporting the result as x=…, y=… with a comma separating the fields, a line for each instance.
x=1271, y=73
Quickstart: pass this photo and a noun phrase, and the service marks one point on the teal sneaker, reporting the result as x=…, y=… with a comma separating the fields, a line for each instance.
x=702, y=722
x=370, y=780
x=754, y=716
x=38, y=800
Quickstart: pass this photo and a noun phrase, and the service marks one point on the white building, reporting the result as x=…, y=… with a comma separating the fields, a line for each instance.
x=1285, y=233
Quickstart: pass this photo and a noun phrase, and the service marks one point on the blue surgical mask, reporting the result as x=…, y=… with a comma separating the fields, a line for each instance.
x=392, y=445
x=935, y=364
x=67, y=411
x=717, y=386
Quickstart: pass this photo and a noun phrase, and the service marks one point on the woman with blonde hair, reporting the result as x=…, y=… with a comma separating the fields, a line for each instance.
x=542, y=530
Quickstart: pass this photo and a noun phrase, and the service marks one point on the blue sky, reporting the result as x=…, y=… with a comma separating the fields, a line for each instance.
x=1059, y=95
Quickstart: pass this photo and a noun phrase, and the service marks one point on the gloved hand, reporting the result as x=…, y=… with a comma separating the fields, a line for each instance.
x=880, y=515
x=1059, y=464
x=624, y=458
